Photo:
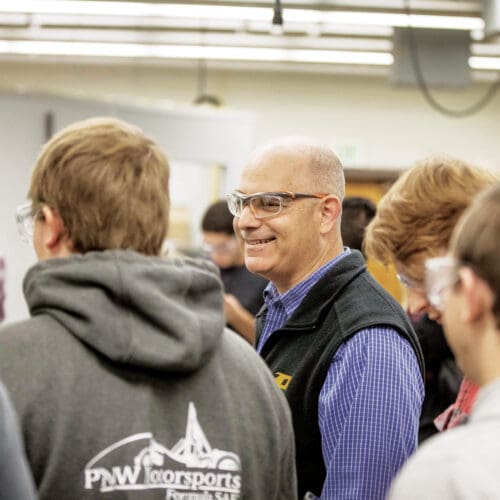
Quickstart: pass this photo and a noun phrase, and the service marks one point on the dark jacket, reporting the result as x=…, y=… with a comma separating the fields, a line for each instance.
x=343, y=302
x=442, y=376
x=247, y=287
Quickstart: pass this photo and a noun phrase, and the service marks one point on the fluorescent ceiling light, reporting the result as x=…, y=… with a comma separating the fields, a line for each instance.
x=140, y=9
x=383, y=19
x=130, y=50
x=492, y=63
x=13, y=19
x=237, y=13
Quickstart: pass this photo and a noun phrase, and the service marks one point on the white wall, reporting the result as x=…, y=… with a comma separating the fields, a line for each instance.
x=378, y=124
x=391, y=127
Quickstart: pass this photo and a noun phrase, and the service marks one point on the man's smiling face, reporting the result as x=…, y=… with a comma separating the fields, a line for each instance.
x=283, y=248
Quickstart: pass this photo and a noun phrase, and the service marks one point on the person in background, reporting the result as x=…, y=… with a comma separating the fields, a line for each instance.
x=16, y=482
x=243, y=295
x=414, y=222
x=126, y=382
x=463, y=464
x=357, y=212
x=341, y=349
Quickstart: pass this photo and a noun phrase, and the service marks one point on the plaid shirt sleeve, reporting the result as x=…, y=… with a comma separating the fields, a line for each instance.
x=369, y=409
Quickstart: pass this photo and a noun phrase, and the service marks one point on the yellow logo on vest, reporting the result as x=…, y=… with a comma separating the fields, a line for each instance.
x=282, y=379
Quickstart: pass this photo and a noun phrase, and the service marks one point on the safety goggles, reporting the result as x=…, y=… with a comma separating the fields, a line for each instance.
x=266, y=204
x=410, y=283
x=26, y=215
x=441, y=273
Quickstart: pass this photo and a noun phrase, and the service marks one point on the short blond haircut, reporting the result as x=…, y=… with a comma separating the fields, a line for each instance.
x=417, y=215
x=475, y=240
x=109, y=184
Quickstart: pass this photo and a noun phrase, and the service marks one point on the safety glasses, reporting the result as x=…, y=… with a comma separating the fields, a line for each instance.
x=441, y=273
x=267, y=204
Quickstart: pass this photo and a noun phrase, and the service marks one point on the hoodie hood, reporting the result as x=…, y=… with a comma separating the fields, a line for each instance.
x=150, y=312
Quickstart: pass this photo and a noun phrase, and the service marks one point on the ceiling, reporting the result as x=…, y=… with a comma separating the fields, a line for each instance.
x=318, y=36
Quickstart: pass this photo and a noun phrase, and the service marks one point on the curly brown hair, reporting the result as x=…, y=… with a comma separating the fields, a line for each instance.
x=417, y=215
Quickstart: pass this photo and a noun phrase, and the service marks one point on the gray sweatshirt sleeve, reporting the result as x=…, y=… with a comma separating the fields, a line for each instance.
x=288, y=489
x=16, y=482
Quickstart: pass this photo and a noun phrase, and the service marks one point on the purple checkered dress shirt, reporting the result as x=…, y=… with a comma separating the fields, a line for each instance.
x=369, y=406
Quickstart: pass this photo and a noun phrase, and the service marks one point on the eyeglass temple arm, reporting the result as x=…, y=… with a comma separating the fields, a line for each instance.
x=242, y=197
x=304, y=195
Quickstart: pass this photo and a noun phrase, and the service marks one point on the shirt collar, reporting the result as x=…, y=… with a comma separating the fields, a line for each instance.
x=293, y=297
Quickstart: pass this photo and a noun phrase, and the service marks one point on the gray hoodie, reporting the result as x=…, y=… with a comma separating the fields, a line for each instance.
x=16, y=482
x=128, y=386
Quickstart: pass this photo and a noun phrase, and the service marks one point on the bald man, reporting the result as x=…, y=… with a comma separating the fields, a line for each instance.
x=340, y=347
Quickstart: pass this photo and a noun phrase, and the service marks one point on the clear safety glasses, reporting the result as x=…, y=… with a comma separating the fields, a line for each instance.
x=441, y=273
x=265, y=204
x=26, y=215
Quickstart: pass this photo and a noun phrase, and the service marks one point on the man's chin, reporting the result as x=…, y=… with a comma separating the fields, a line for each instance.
x=255, y=267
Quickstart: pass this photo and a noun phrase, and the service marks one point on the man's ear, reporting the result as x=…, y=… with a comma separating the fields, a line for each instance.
x=331, y=208
x=477, y=294
x=54, y=237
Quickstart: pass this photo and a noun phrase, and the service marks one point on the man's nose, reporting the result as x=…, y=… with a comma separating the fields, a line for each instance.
x=247, y=218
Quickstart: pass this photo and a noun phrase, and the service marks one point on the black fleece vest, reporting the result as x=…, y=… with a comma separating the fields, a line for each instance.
x=299, y=354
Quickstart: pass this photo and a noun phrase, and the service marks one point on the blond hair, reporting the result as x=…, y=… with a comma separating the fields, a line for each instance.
x=417, y=215
x=475, y=240
x=109, y=184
